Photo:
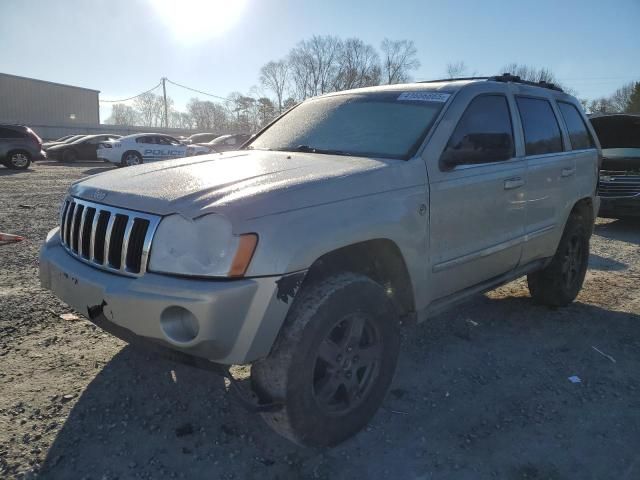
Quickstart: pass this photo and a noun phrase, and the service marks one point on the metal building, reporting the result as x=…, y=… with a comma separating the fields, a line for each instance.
x=43, y=105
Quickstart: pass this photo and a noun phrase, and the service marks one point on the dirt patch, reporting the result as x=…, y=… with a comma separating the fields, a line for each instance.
x=481, y=392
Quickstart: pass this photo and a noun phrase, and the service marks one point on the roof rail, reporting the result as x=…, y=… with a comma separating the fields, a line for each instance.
x=505, y=77
x=453, y=79
x=508, y=77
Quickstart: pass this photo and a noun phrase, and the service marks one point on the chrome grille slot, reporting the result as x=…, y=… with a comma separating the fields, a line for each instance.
x=106, y=237
x=618, y=184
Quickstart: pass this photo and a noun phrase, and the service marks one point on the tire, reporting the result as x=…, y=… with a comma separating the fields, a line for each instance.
x=559, y=283
x=69, y=156
x=131, y=158
x=330, y=379
x=18, y=160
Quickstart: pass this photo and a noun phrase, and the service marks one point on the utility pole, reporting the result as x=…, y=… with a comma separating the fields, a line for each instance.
x=164, y=93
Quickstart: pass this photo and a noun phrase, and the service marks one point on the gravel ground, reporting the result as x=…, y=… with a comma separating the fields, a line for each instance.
x=481, y=392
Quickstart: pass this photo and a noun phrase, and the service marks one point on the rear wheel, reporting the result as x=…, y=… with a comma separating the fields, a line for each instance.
x=130, y=159
x=18, y=160
x=333, y=361
x=559, y=283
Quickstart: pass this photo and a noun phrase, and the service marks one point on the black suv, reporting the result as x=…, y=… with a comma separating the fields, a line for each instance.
x=19, y=146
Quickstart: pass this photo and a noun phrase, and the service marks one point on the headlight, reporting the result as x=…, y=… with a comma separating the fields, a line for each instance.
x=205, y=246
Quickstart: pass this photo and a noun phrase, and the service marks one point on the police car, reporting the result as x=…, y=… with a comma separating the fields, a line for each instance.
x=145, y=147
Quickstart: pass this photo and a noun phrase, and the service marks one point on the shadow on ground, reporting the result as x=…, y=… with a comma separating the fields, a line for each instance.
x=6, y=172
x=625, y=230
x=598, y=262
x=482, y=392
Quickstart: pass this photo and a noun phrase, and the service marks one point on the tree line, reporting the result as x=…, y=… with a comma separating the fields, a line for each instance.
x=319, y=65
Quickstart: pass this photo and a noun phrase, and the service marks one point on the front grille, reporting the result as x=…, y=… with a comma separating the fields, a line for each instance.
x=110, y=238
x=618, y=184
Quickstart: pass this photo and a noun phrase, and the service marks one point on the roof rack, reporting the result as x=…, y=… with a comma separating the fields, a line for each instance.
x=508, y=77
x=505, y=77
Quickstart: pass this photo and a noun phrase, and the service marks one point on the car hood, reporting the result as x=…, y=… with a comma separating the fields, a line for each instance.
x=244, y=184
x=619, y=137
x=57, y=146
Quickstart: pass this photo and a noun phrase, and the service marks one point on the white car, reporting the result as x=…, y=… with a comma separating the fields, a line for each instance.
x=145, y=147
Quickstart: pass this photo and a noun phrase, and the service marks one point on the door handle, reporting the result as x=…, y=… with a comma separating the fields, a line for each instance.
x=567, y=172
x=511, y=183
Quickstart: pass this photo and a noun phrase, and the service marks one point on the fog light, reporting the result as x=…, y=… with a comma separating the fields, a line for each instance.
x=179, y=324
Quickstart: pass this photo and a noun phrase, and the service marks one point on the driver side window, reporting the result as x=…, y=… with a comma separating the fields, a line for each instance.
x=484, y=134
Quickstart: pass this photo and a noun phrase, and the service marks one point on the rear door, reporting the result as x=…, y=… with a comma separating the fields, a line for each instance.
x=551, y=169
x=171, y=148
x=476, y=197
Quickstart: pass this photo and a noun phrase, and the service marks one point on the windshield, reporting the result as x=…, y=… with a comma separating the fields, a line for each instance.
x=219, y=140
x=379, y=124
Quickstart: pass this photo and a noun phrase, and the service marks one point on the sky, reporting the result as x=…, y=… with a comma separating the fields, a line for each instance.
x=124, y=47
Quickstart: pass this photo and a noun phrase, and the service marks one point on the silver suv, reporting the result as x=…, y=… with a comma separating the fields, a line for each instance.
x=353, y=213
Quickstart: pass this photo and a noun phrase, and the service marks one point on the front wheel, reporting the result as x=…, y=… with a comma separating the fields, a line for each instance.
x=559, y=283
x=333, y=361
x=18, y=161
x=130, y=159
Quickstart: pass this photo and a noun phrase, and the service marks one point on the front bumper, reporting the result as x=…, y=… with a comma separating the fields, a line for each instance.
x=224, y=321
x=619, y=207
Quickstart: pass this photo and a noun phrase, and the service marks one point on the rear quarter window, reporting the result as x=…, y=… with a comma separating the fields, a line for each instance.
x=541, y=130
x=578, y=133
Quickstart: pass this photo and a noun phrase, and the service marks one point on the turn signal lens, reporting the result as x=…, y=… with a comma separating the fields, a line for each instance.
x=246, y=248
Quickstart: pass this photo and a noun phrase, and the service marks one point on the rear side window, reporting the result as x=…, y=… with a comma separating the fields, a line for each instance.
x=578, y=133
x=483, y=134
x=10, y=133
x=541, y=130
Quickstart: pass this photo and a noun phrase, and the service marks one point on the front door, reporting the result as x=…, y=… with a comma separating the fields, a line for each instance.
x=476, y=198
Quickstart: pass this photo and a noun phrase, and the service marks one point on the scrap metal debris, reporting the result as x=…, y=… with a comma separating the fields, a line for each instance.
x=7, y=238
x=604, y=354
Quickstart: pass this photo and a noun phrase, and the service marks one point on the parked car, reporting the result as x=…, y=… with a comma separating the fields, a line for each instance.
x=68, y=139
x=19, y=146
x=84, y=148
x=353, y=213
x=143, y=147
x=619, y=188
x=225, y=143
x=201, y=138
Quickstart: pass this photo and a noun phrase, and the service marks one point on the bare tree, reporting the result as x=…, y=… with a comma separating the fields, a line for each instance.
x=150, y=108
x=206, y=115
x=398, y=60
x=621, y=98
x=274, y=76
x=601, y=105
x=534, y=74
x=314, y=65
x=358, y=65
x=122, y=114
x=457, y=69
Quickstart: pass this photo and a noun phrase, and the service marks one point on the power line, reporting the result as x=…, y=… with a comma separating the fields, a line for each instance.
x=195, y=90
x=131, y=98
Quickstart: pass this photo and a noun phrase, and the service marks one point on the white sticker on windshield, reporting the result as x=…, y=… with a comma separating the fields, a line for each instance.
x=424, y=96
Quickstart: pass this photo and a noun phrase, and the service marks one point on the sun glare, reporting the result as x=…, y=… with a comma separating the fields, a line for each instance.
x=193, y=21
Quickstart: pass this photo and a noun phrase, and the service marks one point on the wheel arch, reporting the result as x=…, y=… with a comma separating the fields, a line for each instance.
x=19, y=150
x=379, y=259
x=584, y=207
